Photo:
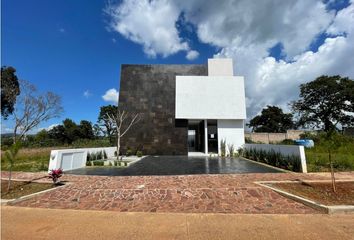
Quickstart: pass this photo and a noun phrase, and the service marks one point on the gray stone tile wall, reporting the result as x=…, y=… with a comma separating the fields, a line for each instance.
x=150, y=91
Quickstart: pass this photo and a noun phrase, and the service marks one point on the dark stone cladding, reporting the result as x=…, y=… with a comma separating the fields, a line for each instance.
x=150, y=91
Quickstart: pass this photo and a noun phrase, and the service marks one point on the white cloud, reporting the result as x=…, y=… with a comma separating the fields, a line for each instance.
x=111, y=96
x=245, y=23
x=62, y=30
x=245, y=31
x=50, y=127
x=87, y=94
x=192, y=54
x=149, y=23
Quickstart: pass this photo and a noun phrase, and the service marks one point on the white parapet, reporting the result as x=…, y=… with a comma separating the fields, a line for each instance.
x=210, y=97
x=220, y=67
x=69, y=159
x=285, y=150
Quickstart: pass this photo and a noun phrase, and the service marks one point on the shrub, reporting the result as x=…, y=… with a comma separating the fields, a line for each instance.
x=223, y=148
x=287, y=142
x=88, y=163
x=115, y=153
x=231, y=149
x=91, y=143
x=104, y=154
x=92, y=156
x=239, y=152
x=139, y=153
x=99, y=155
x=310, y=135
x=55, y=174
x=110, y=164
x=98, y=163
x=129, y=152
x=291, y=162
x=115, y=163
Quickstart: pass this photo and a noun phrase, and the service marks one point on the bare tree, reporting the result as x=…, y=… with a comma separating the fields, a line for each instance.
x=123, y=121
x=33, y=108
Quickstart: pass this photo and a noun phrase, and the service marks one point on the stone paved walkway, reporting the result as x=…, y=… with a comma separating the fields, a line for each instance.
x=228, y=193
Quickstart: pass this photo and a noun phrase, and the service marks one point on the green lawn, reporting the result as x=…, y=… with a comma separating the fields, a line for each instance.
x=29, y=160
x=317, y=158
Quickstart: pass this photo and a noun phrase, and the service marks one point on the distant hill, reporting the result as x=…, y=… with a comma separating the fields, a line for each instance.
x=7, y=135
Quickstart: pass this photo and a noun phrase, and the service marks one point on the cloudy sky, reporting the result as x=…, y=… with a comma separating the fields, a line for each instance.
x=75, y=47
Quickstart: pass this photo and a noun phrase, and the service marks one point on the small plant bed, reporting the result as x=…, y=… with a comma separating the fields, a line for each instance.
x=320, y=192
x=23, y=188
x=108, y=163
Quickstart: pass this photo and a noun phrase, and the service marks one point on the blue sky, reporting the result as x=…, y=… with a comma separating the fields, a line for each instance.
x=73, y=46
x=64, y=46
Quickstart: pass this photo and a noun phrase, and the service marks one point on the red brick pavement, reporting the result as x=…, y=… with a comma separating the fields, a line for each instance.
x=222, y=193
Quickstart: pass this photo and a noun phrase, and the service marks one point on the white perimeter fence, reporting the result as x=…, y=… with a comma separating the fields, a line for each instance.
x=68, y=159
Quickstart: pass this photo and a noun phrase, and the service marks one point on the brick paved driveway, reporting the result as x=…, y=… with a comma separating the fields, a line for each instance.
x=222, y=193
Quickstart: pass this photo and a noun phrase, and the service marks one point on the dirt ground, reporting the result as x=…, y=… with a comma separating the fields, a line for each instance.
x=321, y=192
x=36, y=223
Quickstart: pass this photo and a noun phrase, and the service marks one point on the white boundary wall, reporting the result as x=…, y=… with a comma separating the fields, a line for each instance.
x=68, y=159
x=285, y=150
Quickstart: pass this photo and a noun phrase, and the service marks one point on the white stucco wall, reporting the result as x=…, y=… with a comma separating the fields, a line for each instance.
x=285, y=150
x=220, y=67
x=68, y=159
x=210, y=97
x=232, y=131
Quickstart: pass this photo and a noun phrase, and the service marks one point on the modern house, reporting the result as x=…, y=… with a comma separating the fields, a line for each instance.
x=184, y=108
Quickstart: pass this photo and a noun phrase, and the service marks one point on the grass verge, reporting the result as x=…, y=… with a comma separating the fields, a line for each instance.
x=22, y=188
x=29, y=160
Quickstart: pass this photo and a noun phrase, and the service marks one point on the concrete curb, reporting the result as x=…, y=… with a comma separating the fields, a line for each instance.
x=330, y=209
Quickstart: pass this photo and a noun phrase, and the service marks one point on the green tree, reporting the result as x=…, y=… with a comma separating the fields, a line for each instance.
x=326, y=102
x=108, y=127
x=97, y=131
x=86, y=129
x=11, y=156
x=42, y=138
x=272, y=119
x=72, y=131
x=10, y=89
x=58, y=133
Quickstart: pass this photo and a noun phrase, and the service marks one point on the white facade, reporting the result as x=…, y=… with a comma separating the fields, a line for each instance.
x=219, y=97
x=204, y=97
x=232, y=131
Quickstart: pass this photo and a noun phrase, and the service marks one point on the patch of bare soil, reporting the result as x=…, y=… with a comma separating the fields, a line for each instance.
x=321, y=192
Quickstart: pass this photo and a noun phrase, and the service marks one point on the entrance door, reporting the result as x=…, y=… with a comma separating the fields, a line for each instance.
x=191, y=140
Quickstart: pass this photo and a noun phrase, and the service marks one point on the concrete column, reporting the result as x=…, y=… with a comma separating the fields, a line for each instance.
x=206, y=136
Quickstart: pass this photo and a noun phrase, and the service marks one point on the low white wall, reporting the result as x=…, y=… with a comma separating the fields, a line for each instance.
x=285, y=150
x=232, y=132
x=68, y=159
